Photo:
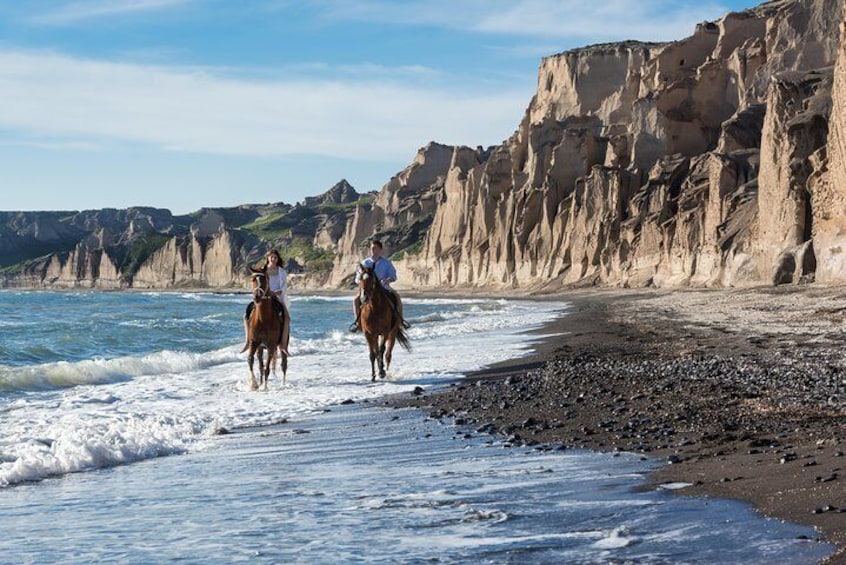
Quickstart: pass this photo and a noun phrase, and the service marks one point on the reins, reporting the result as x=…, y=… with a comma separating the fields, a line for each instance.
x=259, y=290
x=365, y=296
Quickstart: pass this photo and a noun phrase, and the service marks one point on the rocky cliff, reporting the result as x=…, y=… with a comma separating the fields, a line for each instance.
x=151, y=248
x=716, y=160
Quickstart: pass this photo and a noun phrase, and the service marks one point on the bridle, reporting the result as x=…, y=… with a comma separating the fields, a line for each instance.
x=367, y=274
x=259, y=292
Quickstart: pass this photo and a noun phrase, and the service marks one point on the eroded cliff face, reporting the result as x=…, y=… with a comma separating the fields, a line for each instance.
x=827, y=184
x=714, y=160
x=193, y=261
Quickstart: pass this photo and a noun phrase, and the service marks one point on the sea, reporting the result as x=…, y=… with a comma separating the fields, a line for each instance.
x=128, y=434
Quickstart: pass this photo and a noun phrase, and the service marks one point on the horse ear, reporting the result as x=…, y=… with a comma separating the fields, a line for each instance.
x=254, y=270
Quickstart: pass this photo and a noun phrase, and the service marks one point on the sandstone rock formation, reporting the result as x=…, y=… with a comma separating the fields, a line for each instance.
x=827, y=183
x=713, y=160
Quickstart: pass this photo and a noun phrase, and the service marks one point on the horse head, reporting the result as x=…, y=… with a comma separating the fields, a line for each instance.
x=261, y=284
x=368, y=284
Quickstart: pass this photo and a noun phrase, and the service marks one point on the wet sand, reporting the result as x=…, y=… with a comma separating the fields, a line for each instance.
x=741, y=392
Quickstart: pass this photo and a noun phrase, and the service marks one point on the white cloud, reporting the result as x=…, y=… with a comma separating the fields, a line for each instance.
x=51, y=96
x=91, y=9
x=652, y=20
x=57, y=145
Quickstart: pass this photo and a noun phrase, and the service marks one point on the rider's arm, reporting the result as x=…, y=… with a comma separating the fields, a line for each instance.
x=387, y=273
x=390, y=272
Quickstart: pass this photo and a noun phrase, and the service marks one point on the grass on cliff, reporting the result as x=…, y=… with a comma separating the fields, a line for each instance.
x=413, y=249
x=129, y=259
x=271, y=227
x=331, y=208
x=315, y=258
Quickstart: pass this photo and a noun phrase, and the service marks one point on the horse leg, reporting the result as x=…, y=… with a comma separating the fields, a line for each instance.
x=373, y=346
x=250, y=360
x=271, y=360
x=382, y=371
x=267, y=364
x=284, y=363
x=389, y=350
x=261, y=367
x=275, y=360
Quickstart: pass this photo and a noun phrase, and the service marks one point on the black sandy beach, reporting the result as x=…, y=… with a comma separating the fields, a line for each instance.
x=742, y=392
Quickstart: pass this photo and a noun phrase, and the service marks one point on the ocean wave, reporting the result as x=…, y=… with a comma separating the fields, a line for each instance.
x=423, y=327
x=317, y=298
x=64, y=374
x=112, y=441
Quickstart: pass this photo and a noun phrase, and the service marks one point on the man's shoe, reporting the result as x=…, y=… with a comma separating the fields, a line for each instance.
x=354, y=327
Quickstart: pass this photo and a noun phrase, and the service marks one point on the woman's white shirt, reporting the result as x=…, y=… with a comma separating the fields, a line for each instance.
x=279, y=282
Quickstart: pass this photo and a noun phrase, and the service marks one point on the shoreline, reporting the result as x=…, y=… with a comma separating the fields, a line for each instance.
x=741, y=392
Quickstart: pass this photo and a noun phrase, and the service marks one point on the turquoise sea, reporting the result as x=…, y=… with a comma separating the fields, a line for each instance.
x=113, y=404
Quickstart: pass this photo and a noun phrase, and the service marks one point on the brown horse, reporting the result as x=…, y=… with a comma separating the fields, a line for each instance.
x=380, y=322
x=265, y=331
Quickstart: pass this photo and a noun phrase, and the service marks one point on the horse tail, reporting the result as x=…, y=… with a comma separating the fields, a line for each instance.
x=402, y=338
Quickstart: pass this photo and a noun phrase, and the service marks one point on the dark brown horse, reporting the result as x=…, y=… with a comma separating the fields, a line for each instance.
x=265, y=331
x=380, y=322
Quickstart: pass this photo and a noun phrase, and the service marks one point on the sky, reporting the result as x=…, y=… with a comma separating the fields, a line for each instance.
x=186, y=104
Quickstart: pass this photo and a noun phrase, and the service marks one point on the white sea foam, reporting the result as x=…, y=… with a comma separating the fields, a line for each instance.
x=104, y=412
x=102, y=371
x=615, y=539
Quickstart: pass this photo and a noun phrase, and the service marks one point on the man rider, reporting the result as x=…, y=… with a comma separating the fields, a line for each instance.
x=386, y=273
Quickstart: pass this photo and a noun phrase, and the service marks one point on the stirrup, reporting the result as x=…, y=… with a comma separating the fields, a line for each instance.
x=354, y=327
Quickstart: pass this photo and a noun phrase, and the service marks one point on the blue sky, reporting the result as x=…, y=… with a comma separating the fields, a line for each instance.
x=183, y=104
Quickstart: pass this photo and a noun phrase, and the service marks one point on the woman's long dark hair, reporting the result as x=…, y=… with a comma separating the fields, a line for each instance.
x=278, y=258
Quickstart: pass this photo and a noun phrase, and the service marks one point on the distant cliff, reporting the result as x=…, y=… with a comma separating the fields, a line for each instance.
x=717, y=160
x=151, y=248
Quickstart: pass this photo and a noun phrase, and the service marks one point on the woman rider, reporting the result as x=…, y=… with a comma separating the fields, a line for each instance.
x=278, y=281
